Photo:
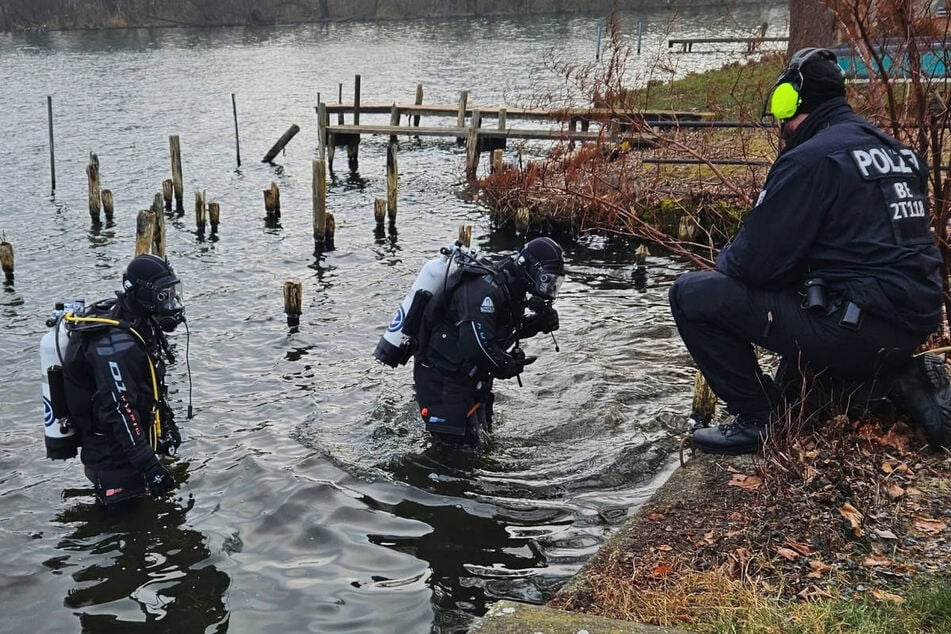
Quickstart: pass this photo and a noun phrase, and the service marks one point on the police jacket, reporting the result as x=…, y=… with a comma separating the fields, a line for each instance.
x=478, y=323
x=110, y=394
x=846, y=203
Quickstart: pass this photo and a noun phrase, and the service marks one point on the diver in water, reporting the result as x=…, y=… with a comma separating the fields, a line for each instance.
x=471, y=337
x=114, y=371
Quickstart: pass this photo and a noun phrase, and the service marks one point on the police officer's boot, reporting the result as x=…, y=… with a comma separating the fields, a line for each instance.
x=923, y=393
x=744, y=433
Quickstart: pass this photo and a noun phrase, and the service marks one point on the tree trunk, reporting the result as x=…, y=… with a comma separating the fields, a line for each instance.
x=811, y=23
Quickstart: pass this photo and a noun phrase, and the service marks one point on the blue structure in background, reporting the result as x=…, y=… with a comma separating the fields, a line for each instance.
x=935, y=59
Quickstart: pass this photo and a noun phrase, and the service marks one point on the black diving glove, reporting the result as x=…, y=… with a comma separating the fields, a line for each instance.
x=159, y=480
x=544, y=321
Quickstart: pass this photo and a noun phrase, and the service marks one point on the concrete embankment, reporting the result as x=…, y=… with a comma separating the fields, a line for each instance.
x=21, y=15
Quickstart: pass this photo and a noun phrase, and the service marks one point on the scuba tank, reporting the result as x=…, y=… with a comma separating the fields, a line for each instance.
x=61, y=438
x=398, y=343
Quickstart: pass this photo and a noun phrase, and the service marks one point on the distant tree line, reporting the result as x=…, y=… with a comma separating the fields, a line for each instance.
x=18, y=15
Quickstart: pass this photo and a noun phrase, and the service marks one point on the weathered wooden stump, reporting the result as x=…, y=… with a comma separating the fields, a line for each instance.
x=175, y=151
x=392, y=180
x=379, y=210
x=293, y=295
x=461, y=116
x=200, y=212
x=418, y=102
x=523, y=217
x=167, y=193
x=108, y=204
x=465, y=235
x=319, y=192
x=214, y=215
x=144, y=231
x=497, y=160
x=272, y=202
x=92, y=176
x=639, y=274
x=472, y=145
x=329, y=231
x=6, y=260
x=158, y=236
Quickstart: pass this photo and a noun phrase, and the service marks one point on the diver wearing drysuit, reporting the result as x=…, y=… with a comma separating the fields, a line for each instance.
x=471, y=338
x=114, y=369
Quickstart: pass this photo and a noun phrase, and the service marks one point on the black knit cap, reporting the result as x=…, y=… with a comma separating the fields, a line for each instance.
x=822, y=80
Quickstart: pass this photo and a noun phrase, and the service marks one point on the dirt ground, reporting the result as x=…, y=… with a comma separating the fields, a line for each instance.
x=854, y=509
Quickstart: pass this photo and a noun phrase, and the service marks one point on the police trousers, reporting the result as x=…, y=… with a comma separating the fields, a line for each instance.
x=720, y=319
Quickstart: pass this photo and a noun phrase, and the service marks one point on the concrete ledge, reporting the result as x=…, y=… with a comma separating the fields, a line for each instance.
x=511, y=617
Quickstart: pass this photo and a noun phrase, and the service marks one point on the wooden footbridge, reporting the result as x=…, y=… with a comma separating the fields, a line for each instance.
x=568, y=124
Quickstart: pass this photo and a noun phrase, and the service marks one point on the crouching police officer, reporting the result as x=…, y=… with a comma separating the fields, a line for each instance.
x=471, y=337
x=835, y=266
x=114, y=370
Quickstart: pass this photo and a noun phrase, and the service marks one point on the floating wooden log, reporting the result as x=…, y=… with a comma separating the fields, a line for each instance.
x=284, y=140
x=293, y=295
x=6, y=260
x=214, y=215
x=108, y=204
x=175, y=152
x=92, y=176
x=319, y=191
x=144, y=231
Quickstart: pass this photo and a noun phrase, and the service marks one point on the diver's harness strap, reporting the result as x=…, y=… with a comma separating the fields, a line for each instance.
x=156, y=429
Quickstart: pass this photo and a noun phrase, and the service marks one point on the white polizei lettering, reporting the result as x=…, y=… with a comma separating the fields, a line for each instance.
x=863, y=160
x=880, y=160
x=900, y=166
x=910, y=155
x=116, y=376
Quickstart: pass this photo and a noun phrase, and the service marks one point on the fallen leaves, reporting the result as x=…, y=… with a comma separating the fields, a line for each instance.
x=881, y=595
x=929, y=525
x=748, y=482
x=854, y=518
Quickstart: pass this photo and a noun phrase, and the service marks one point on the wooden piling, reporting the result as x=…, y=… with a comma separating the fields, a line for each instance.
x=340, y=120
x=379, y=210
x=92, y=176
x=167, y=193
x=497, y=160
x=108, y=204
x=144, y=231
x=353, y=153
x=329, y=230
x=284, y=140
x=319, y=190
x=461, y=117
x=502, y=118
x=158, y=232
x=472, y=145
x=523, y=217
x=418, y=102
x=465, y=235
x=293, y=294
x=392, y=180
x=322, y=119
x=200, y=211
x=704, y=404
x=356, y=100
x=49, y=115
x=272, y=202
x=237, y=143
x=639, y=274
x=214, y=214
x=6, y=260
x=175, y=151
x=394, y=121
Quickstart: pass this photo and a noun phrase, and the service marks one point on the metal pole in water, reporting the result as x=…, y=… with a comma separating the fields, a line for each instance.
x=49, y=112
x=597, y=48
x=237, y=144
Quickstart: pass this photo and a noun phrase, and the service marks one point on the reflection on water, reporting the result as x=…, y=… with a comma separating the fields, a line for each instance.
x=312, y=499
x=139, y=568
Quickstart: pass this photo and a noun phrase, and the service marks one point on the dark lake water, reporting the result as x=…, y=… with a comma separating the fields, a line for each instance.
x=310, y=497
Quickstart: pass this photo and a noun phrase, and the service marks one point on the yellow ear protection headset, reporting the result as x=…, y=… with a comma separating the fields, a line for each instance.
x=783, y=100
